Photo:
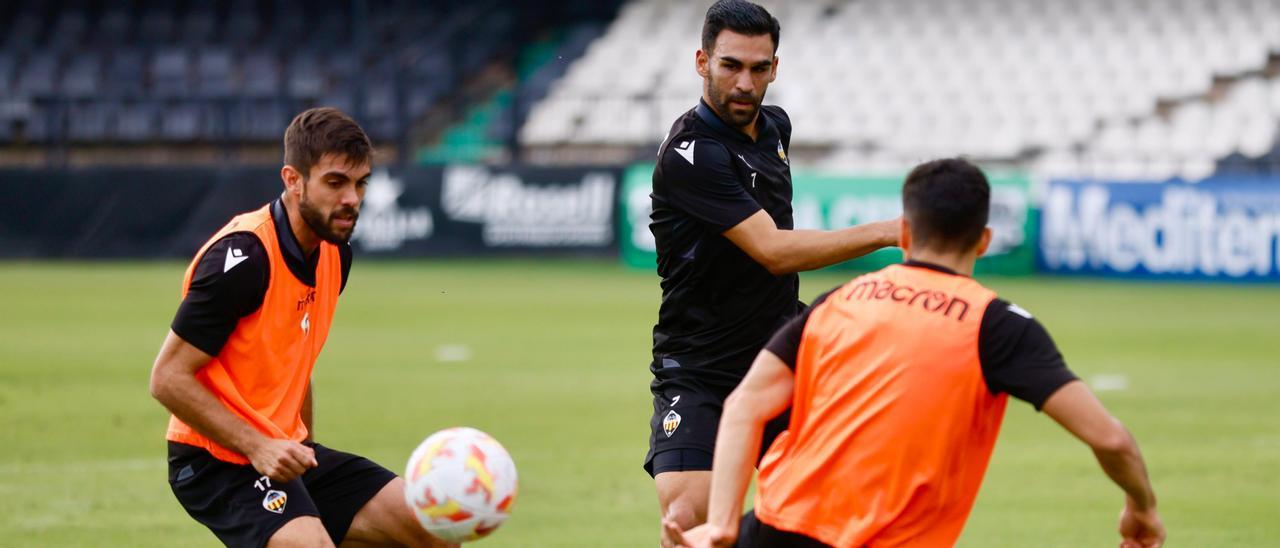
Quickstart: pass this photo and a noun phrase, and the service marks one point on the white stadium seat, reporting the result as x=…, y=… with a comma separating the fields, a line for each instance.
x=994, y=79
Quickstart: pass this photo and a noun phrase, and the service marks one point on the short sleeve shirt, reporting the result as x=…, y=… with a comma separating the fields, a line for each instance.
x=719, y=306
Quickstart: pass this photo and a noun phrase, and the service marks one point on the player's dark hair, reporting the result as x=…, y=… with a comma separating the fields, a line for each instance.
x=946, y=203
x=319, y=131
x=738, y=16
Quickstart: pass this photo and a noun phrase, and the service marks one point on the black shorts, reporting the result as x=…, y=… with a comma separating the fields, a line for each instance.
x=244, y=508
x=753, y=533
x=685, y=420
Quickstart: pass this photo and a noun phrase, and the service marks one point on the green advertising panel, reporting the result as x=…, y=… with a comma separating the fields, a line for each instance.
x=827, y=201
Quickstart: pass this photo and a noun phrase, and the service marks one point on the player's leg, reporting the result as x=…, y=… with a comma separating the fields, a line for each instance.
x=387, y=521
x=686, y=415
x=362, y=503
x=303, y=532
x=683, y=496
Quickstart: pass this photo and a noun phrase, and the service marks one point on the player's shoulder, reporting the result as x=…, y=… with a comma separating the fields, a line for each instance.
x=775, y=112
x=692, y=150
x=240, y=251
x=778, y=116
x=1005, y=318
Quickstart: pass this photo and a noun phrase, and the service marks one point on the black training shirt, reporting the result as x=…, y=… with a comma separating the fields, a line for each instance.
x=230, y=282
x=1018, y=357
x=719, y=306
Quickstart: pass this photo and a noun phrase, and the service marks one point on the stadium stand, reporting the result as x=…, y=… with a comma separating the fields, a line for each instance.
x=1078, y=86
x=230, y=73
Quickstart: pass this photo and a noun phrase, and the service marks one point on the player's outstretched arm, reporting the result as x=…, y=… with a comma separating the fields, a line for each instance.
x=174, y=384
x=787, y=251
x=1076, y=408
x=763, y=394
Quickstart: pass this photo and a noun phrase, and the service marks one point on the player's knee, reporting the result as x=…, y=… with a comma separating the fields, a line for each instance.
x=306, y=531
x=683, y=496
x=412, y=534
x=684, y=512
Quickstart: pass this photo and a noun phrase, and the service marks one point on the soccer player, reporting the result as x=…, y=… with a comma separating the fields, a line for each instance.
x=235, y=368
x=897, y=382
x=727, y=253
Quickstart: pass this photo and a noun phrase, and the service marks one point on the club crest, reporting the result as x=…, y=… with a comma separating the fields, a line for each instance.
x=670, y=423
x=275, y=501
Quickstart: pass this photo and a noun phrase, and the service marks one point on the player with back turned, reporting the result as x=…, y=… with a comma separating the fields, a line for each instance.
x=897, y=383
x=235, y=368
x=727, y=251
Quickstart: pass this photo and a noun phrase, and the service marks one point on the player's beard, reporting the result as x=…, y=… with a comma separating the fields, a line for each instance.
x=322, y=225
x=725, y=108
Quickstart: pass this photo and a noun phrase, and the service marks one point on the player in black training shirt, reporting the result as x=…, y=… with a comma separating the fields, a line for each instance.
x=727, y=253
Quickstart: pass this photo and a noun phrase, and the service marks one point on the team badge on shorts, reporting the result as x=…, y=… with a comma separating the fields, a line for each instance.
x=670, y=423
x=275, y=501
x=782, y=154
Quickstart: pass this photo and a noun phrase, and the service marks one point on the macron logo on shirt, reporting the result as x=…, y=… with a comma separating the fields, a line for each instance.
x=1019, y=311
x=234, y=257
x=685, y=150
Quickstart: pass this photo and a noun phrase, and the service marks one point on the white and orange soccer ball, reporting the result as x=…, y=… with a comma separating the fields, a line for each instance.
x=461, y=483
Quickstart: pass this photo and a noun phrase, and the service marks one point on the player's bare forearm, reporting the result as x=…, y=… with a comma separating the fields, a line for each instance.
x=814, y=249
x=174, y=385
x=1076, y=408
x=1123, y=463
x=737, y=441
x=787, y=251
x=763, y=394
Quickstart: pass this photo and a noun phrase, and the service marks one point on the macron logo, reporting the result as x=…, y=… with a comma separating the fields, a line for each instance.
x=234, y=257
x=1019, y=311
x=685, y=150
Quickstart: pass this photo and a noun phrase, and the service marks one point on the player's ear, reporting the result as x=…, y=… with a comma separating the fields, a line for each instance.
x=904, y=235
x=773, y=70
x=702, y=63
x=983, y=242
x=293, y=180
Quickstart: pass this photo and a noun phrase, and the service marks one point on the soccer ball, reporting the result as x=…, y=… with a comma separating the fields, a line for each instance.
x=460, y=482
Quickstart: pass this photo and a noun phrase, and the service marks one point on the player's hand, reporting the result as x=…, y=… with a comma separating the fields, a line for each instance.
x=282, y=460
x=1140, y=529
x=702, y=536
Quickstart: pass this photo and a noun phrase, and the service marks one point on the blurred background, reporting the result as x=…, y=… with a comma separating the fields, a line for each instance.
x=506, y=274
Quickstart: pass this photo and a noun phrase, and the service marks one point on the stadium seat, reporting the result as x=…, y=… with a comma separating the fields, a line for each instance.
x=38, y=75
x=83, y=76
x=170, y=74
x=214, y=76
x=136, y=122
x=88, y=120
x=126, y=73
x=180, y=122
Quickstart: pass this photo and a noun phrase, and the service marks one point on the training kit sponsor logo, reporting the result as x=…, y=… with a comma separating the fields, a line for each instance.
x=274, y=501
x=383, y=224
x=929, y=300
x=670, y=423
x=1227, y=229
x=234, y=257
x=513, y=212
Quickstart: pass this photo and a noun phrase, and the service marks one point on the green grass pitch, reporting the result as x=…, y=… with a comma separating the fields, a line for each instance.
x=550, y=357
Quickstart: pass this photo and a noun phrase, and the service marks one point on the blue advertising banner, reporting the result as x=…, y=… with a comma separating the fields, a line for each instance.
x=1218, y=229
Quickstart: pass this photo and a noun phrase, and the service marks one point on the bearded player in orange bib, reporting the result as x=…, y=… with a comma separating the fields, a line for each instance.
x=235, y=369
